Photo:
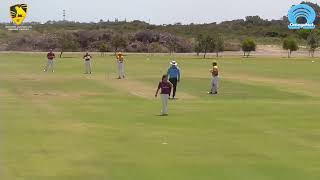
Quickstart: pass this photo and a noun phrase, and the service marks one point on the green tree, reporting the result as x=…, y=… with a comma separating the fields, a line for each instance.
x=219, y=44
x=172, y=45
x=256, y=20
x=313, y=43
x=209, y=45
x=198, y=47
x=303, y=33
x=290, y=45
x=248, y=45
x=67, y=43
x=118, y=41
x=103, y=49
x=156, y=47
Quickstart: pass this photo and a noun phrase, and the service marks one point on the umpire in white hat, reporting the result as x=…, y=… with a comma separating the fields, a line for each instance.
x=174, y=77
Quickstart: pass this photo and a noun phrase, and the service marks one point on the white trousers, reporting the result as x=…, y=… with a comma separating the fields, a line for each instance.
x=50, y=65
x=165, y=100
x=121, y=69
x=87, y=65
x=215, y=84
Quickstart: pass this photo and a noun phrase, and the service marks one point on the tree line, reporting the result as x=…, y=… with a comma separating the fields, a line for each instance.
x=312, y=37
x=216, y=44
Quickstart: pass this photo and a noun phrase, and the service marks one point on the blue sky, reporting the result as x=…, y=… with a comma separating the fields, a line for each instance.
x=158, y=11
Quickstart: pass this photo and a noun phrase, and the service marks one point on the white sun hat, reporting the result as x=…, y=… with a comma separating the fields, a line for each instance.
x=174, y=63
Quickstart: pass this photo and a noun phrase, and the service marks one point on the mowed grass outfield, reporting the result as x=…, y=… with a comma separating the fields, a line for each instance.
x=264, y=125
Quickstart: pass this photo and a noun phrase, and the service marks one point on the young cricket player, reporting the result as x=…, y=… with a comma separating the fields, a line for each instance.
x=50, y=65
x=165, y=86
x=87, y=62
x=120, y=63
x=215, y=79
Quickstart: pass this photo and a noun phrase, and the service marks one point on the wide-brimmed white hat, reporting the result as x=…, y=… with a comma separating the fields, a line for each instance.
x=174, y=63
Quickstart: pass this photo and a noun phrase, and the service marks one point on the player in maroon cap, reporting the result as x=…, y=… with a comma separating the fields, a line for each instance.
x=165, y=87
x=50, y=65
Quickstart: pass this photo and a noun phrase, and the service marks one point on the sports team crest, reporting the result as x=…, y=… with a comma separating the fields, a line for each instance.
x=18, y=13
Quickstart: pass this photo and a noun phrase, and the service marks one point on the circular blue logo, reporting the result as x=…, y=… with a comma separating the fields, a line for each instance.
x=302, y=11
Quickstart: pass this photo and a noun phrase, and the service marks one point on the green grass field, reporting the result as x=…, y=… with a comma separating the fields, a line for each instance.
x=264, y=125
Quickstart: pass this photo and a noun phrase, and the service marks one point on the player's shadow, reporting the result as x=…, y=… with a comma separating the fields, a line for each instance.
x=160, y=115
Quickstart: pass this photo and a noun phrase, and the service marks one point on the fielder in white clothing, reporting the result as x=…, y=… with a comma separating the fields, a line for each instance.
x=120, y=63
x=50, y=65
x=215, y=79
x=87, y=62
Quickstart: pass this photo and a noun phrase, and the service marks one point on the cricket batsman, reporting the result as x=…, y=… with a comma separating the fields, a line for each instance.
x=120, y=63
x=215, y=79
x=50, y=65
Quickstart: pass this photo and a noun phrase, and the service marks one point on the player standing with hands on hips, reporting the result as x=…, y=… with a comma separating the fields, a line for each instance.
x=50, y=64
x=215, y=79
x=87, y=63
x=120, y=63
x=165, y=87
x=174, y=77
